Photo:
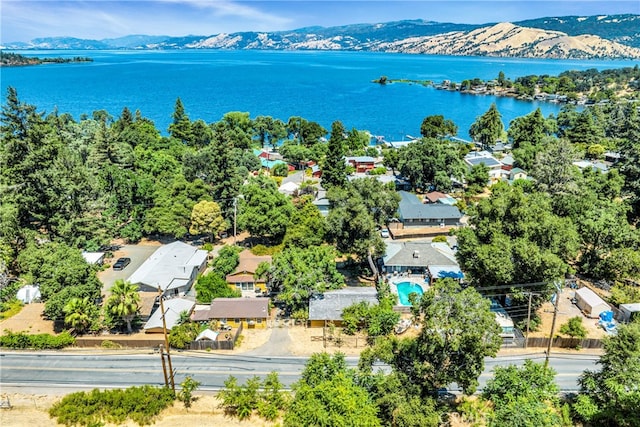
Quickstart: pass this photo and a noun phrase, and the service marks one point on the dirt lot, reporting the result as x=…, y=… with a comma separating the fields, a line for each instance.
x=566, y=310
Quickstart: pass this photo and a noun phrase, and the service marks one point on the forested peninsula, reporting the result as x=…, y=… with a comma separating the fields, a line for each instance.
x=573, y=87
x=10, y=59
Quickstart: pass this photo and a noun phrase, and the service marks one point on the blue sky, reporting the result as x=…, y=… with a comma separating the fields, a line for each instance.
x=23, y=20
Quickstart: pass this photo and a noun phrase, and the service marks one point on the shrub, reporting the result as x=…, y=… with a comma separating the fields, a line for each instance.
x=574, y=328
x=108, y=344
x=189, y=385
x=22, y=340
x=138, y=404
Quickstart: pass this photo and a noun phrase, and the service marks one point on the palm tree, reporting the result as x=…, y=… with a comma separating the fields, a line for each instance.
x=79, y=313
x=124, y=302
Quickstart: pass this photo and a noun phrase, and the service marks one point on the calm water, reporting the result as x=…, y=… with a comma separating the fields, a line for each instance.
x=319, y=86
x=407, y=288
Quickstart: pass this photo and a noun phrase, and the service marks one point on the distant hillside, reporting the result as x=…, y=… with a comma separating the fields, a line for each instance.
x=611, y=37
x=624, y=29
x=509, y=40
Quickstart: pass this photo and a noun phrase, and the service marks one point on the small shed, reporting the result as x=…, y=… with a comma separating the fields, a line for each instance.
x=590, y=303
x=629, y=312
x=207, y=334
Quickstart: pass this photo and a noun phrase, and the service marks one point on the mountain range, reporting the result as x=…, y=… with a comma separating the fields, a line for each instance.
x=610, y=37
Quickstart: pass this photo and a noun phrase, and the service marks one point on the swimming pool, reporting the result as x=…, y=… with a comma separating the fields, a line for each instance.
x=406, y=288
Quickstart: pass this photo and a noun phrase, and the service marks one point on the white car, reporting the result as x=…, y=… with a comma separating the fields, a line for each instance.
x=384, y=233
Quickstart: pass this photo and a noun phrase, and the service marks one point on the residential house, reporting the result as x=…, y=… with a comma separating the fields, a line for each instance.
x=361, y=163
x=590, y=303
x=173, y=308
x=173, y=268
x=438, y=197
x=243, y=278
x=475, y=158
x=433, y=261
x=593, y=164
x=329, y=306
x=316, y=172
x=250, y=312
x=413, y=213
x=399, y=182
x=517, y=173
x=268, y=160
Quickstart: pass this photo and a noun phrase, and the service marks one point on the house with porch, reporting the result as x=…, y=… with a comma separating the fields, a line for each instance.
x=250, y=312
x=243, y=278
x=328, y=307
x=173, y=268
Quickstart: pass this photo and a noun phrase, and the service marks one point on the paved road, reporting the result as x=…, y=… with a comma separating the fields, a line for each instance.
x=32, y=372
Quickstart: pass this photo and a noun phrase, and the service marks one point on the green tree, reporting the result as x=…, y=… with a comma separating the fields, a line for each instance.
x=611, y=396
x=182, y=335
x=334, y=170
x=297, y=273
x=180, y=128
x=528, y=129
x=187, y=387
x=421, y=162
x=124, y=302
x=574, y=328
x=80, y=314
x=206, y=217
x=487, y=128
x=328, y=395
x=381, y=200
x=350, y=224
x=437, y=127
x=211, y=286
x=458, y=332
x=264, y=211
x=477, y=178
x=307, y=226
x=269, y=130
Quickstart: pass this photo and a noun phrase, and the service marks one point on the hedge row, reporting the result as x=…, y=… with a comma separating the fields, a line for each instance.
x=22, y=340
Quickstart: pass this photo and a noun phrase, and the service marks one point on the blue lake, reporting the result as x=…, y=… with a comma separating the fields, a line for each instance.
x=319, y=86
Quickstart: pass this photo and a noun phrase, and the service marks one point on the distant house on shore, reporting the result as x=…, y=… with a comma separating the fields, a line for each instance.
x=361, y=163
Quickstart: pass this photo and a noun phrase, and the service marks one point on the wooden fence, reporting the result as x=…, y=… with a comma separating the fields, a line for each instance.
x=562, y=342
x=124, y=342
x=218, y=344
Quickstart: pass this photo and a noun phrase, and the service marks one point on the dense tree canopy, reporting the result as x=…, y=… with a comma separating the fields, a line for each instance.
x=430, y=162
x=458, y=332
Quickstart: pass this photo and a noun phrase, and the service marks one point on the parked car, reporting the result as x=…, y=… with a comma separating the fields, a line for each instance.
x=384, y=233
x=121, y=263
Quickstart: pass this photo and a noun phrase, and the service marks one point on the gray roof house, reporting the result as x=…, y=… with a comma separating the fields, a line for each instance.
x=413, y=213
x=172, y=309
x=329, y=307
x=172, y=268
x=431, y=259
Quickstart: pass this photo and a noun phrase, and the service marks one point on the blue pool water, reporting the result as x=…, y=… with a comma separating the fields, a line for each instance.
x=406, y=288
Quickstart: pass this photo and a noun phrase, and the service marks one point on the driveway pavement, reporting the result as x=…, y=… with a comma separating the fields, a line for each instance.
x=138, y=255
x=278, y=344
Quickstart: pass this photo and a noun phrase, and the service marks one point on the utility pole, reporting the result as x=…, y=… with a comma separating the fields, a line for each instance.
x=235, y=213
x=166, y=341
x=558, y=285
x=526, y=337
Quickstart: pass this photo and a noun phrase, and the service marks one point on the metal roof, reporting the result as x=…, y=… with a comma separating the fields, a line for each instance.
x=412, y=208
x=333, y=303
x=170, y=266
x=172, y=309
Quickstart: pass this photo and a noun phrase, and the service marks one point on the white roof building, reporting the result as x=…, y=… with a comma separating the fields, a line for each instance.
x=172, y=268
x=172, y=309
